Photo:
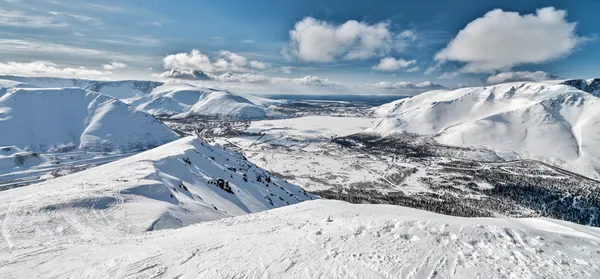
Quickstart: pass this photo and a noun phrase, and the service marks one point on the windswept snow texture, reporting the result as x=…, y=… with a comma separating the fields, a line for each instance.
x=553, y=123
x=70, y=118
x=315, y=239
x=182, y=100
x=171, y=186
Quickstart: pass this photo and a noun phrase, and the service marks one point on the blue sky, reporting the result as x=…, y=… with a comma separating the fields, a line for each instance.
x=136, y=39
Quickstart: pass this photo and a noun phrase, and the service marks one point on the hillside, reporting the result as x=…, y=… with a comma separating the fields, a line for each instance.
x=69, y=118
x=552, y=123
x=173, y=185
x=182, y=100
x=122, y=89
x=315, y=239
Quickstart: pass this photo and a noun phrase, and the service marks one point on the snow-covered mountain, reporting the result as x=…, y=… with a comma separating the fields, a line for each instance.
x=66, y=118
x=184, y=74
x=173, y=185
x=314, y=239
x=161, y=99
x=181, y=100
x=119, y=89
x=587, y=85
x=548, y=122
x=124, y=89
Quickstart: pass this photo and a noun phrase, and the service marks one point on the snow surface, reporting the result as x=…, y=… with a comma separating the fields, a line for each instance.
x=182, y=100
x=169, y=186
x=119, y=89
x=548, y=122
x=312, y=126
x=315, y=239
x=67, y=118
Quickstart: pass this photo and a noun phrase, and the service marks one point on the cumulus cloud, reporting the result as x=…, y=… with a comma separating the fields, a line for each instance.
x=519, y=76
x=114, y=65
x=318, y=41
x=183, y=74
x=45, y=68
x=225, y=61
x=258, y=65
x=392, y=64
x=500, y=40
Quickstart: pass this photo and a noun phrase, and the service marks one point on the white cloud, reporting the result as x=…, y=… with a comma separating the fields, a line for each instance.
x=258, y=65
x=257, y=78
x=519, y=76
x=78, y=17
x=248, y=41
x=20, y=47
x=391, y=64
x=413, y=69
x=402, y=87
x=18, y=18
x=500, y=40
x=226, y=61
x=114, y=65
x=250, y=78
x=449, y=75
x=318, y=41
x=44, y=68
x=287, y=69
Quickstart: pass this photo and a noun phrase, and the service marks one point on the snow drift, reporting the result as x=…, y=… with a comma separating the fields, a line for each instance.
x=68, y=118
x=553, y=123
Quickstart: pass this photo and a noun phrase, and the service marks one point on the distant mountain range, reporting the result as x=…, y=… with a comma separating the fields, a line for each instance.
x=550, y=122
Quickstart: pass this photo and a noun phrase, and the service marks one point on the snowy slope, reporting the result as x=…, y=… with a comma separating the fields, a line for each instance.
x=50, y=82
x=169, y=186
x=119, y=89
x=590, y=85
x=67, y=118
x=123, y=89
x=553, y=123
x=316, y=239
x=182, y=100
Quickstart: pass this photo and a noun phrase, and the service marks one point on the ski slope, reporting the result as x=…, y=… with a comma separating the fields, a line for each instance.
x=554, y=123
x=70, y=118
x=315, y=239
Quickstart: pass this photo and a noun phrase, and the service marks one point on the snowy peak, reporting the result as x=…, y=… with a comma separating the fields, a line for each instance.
x=119, y=89
x=185, y=74
x=590, y=85
x=180, y=183
x=529, y=119
x=69, y=118
x=182, y=100
x=124, y=89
